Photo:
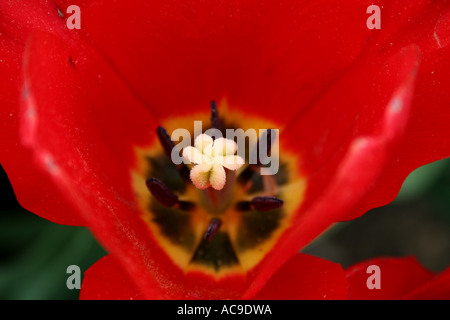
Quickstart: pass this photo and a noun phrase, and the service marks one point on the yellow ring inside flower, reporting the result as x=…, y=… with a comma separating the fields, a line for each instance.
x=244, y=237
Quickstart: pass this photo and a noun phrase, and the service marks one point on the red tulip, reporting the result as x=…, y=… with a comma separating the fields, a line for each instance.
x=357, y=109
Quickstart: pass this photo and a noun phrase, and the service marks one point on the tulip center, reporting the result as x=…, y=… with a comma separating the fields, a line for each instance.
x=213, y=165
x=215, y=211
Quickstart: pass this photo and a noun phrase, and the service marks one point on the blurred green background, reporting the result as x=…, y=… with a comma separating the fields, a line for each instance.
x=416, y=223
x=35, y=253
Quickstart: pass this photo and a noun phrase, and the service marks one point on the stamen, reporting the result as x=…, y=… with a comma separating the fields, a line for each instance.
x=215, y=120
x=165, y=196
x=247, y=174
x=165, y=141
x=266, y=203
x=260, y=204
x=268, y=137
x=160, y=191
x=213, y=227
x=168, y=145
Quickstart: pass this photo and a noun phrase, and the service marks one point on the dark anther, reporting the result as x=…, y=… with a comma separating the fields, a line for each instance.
x=165, y=141
x=260, y=204
x=215, y=120
x=167, y=144
x=160, y=191
x=165, y=196
x=266, y=203
x=268, y=137
x=213, y=227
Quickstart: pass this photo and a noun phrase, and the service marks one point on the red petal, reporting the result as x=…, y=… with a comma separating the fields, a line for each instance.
x=33, y=187
x=437, y=288
x=256, y=54
x=351, y=159
x=88, y=150
x=398, y=277
x=106, y=280
x=306, y=277
x=427, y=134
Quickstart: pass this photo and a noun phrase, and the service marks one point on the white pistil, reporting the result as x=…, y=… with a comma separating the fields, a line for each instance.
x=211, y=157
